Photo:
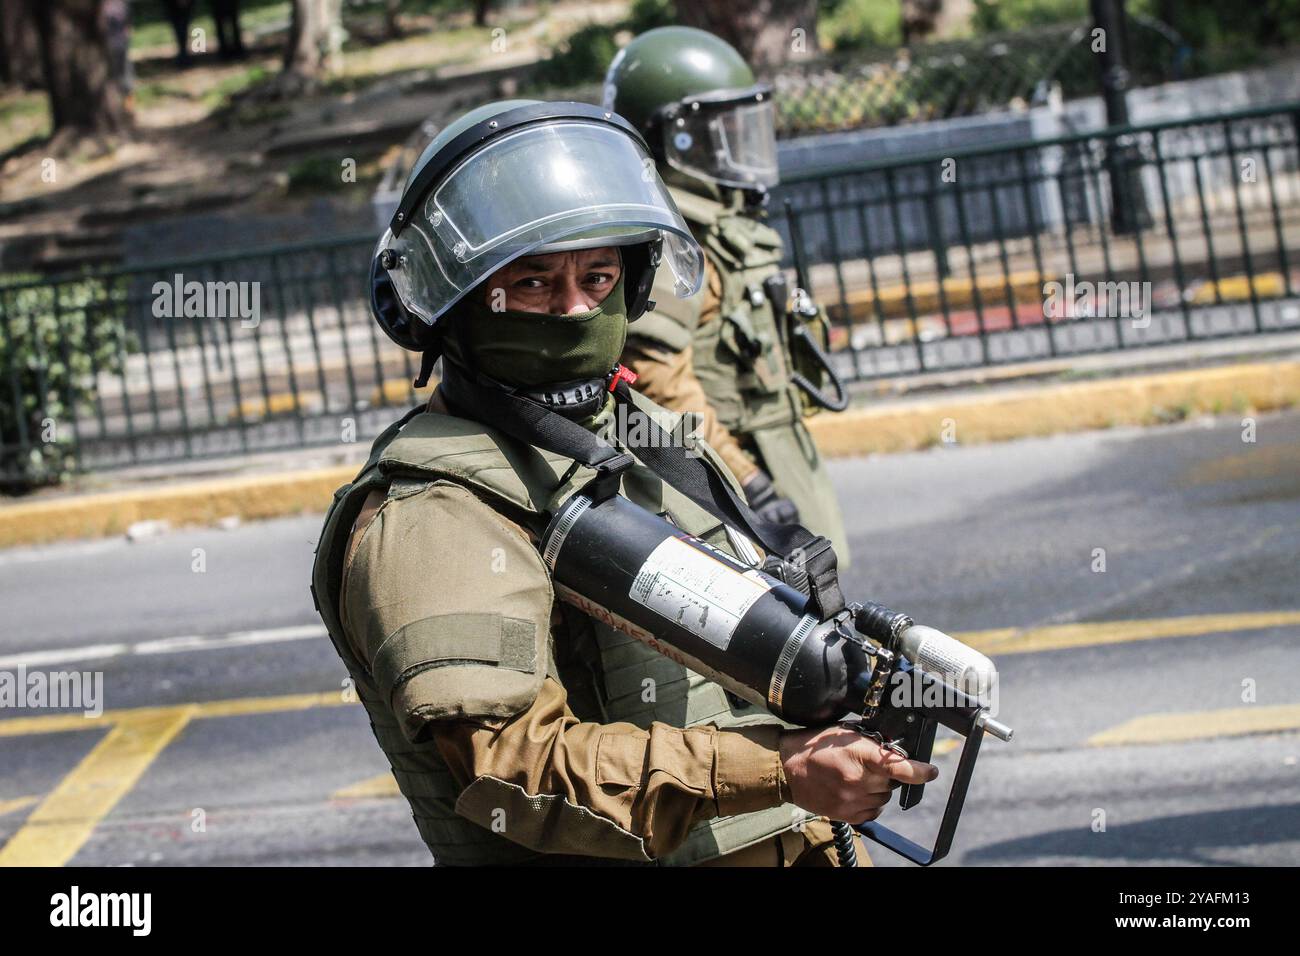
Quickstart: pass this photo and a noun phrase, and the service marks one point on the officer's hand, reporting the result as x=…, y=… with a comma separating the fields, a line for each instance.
x=762, y=496
x=838, y=773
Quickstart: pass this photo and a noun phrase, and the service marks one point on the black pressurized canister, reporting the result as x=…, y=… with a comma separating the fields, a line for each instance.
x=730, y=622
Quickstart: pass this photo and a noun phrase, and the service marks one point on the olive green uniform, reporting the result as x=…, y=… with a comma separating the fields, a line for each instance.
x=729, y=340
x=520, y=729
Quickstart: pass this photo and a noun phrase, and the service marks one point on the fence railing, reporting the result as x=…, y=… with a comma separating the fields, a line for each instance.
x=1096, y=241
x=1093, y=242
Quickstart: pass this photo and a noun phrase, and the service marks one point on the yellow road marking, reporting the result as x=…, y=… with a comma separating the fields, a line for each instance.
x=60, y=826
x=1200, y=725
x=54, y=723
x=384, y=785
x=18, y=803
x=64, y=821
x=1014, y=640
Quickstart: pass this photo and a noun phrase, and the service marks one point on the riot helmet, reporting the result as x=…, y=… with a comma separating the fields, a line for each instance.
x=519, y=177
x=694, y=99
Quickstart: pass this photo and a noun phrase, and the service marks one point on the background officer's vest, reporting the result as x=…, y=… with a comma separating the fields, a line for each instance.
x=603, y=670
x=741, y=360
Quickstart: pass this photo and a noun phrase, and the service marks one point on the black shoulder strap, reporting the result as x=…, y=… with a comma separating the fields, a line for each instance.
x=693, y=476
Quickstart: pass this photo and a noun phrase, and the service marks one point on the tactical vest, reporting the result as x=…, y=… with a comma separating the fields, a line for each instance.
x=602, y=669
x=742, y=360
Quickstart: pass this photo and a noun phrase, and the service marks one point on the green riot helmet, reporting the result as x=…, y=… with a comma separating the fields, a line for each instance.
x=519, y=177
x=694, y=99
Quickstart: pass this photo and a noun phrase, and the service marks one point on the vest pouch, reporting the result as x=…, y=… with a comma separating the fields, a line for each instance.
x=747, y=335
x=807, y=362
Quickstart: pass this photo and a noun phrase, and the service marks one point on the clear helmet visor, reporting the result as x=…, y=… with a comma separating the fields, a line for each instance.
x=541, y=188
x=732, y=144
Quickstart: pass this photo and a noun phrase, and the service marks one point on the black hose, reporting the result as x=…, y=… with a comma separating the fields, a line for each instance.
x=841, y=400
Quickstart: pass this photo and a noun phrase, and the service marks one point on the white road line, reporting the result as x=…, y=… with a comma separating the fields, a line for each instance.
x=91, y=652
x=166, y=645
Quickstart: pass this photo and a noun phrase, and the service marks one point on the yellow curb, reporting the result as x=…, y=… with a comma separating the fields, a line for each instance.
x=199, y=502
x=958, y=293
x=967, y=419
x=1065, y=407
x=398, y=391
x=1268, y=285
x=1026, y=286
x=279, y=403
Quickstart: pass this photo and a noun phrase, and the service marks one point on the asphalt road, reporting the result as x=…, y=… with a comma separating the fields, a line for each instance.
x=1194, y=524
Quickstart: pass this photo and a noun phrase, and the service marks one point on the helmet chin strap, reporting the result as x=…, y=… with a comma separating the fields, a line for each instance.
x=574, y=400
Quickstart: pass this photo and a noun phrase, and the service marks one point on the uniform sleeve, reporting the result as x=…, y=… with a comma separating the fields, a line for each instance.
x=666, y=376
x=443, y=565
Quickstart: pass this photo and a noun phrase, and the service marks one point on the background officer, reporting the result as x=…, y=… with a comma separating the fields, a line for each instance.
x=520, y=729
x=726, y=353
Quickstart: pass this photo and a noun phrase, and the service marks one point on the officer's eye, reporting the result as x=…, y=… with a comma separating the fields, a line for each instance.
x=599, y=278
x=530, y=282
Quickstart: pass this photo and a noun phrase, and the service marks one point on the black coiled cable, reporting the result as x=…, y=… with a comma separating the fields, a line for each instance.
x=844, y=848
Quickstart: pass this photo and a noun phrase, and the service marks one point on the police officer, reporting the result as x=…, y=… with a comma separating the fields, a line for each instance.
x=520, y=729
x=727, y=353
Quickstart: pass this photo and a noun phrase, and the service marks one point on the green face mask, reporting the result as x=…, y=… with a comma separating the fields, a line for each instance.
x=532, y=349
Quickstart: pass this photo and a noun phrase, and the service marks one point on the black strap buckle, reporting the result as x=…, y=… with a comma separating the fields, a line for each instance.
x=820, y=563
x=608, y=475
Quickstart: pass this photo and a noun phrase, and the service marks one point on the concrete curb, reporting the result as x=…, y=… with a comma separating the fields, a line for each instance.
x=1052, y=408
x=904, y=425
x=200, y=502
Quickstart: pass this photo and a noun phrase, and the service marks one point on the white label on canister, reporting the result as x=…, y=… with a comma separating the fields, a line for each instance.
x=697, y=591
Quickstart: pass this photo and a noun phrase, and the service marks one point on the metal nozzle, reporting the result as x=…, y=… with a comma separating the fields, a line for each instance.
x=989, y=725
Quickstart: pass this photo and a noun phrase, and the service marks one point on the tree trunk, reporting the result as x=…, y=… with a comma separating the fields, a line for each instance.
x=179, y=14
x=314, y=49
x=225, y=14
x=20, y=46
x=481, y=8
x=766, y=32
x=392, y=26
x=86, y=74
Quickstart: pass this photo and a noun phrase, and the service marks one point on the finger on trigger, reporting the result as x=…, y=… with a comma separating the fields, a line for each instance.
x=911, y=771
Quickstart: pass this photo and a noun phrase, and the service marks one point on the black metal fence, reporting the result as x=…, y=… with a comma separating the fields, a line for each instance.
x=1091, y=242
x=1094, y=242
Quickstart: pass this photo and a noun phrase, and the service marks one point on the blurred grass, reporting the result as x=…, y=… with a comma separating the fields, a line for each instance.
x=23, y=116
x=150, y=27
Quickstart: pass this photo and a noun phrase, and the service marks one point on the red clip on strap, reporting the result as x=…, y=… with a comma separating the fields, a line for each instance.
x=621, y=374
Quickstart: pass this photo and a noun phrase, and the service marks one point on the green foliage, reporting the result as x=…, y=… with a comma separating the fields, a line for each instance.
x=231, y=86
x=648, y=14
x=860, y=24
x=315, y=174
x=995, y=16
x=585, y=56
x=48, y=359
